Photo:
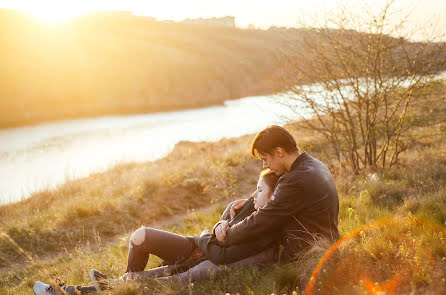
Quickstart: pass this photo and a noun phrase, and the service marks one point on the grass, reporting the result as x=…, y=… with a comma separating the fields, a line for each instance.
x=392, y=222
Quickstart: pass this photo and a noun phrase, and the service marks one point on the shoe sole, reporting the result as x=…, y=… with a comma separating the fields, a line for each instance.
x=94, y=281
x=38, y=289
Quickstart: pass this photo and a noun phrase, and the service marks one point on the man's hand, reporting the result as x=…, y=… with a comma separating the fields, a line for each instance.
x=221, y=231
x=237, y=205
x=197, y=253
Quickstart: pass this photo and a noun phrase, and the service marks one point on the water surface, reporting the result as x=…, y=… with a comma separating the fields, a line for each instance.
x=41, y=157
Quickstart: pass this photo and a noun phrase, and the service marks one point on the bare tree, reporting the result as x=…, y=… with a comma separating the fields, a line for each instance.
x=353, y=81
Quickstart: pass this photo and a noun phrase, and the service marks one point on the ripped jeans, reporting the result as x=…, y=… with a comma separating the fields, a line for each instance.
x=170, y=247
x=173, y=249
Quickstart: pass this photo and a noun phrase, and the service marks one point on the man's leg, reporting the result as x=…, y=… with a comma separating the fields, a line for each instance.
x=198, y=272
x=267, y=256
x=164, y=272
x=205, y=268
x=170, y=247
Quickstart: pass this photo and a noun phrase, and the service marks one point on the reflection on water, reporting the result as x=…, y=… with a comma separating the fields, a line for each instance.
x=40, y=157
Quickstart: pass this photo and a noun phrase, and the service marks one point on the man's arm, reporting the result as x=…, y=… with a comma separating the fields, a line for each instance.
x=284, y=204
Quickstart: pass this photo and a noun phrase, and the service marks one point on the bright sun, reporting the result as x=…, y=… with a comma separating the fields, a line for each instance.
x=52, y=11
x=52, y=16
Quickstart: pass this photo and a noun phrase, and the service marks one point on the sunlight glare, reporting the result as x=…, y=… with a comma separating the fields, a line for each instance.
x=51, y=16
x=52, y=12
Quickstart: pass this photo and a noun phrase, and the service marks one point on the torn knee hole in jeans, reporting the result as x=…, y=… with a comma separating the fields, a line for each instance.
x=138, y=237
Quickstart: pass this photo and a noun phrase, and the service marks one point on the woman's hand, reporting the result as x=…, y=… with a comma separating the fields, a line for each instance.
x=237, y=205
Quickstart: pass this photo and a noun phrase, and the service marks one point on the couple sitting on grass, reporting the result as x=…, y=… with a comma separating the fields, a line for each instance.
x=295, y=200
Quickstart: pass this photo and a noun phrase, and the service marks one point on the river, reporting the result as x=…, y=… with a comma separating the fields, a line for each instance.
x=40, y=157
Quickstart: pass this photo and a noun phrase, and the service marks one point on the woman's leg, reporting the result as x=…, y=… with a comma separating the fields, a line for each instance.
x=170, y=247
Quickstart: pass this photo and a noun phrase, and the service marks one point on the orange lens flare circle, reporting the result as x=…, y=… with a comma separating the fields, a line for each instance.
x=388, y=286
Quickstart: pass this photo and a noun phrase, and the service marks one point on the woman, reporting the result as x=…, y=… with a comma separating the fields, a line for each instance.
x=186, y=258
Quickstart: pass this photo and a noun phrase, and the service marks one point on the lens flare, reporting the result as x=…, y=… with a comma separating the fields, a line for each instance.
x=391, y=285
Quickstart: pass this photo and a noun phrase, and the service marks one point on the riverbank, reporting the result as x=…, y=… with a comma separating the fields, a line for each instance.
x=393, y=221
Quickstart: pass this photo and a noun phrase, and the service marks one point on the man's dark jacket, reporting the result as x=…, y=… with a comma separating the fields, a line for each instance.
x=304, y=205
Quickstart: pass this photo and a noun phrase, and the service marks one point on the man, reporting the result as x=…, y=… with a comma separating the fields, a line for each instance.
x=304, y=204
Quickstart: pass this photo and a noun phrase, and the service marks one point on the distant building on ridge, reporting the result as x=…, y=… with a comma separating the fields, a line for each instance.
x=226, y=21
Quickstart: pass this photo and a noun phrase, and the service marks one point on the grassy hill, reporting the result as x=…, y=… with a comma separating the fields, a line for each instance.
x=392, y=222
x=109, y=63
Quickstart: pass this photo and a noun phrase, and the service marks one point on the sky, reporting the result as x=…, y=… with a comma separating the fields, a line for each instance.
x=260, y=13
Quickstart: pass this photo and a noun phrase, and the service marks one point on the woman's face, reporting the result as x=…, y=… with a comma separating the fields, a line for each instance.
x=262, y=194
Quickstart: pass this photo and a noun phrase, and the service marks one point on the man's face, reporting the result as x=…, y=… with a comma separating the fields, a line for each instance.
x=273, y=161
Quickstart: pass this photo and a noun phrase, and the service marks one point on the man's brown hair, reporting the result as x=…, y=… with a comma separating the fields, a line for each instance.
x=272, y=137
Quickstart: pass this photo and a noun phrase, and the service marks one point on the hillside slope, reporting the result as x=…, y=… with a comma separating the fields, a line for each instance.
x=108, y=64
